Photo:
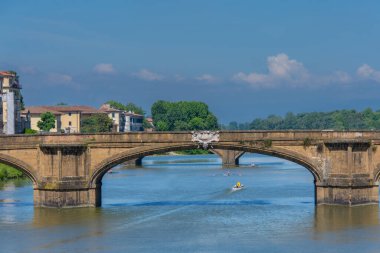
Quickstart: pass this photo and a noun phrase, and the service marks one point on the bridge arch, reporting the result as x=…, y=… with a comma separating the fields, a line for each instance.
x=19, y=165
x=101, y=169
x=376, y=174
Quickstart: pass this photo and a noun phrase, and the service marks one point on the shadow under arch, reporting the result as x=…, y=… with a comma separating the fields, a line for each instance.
x=19, y=165
x=279, y=153
x=102, y=168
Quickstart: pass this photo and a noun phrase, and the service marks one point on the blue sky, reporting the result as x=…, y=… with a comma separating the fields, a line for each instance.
x=245, y=59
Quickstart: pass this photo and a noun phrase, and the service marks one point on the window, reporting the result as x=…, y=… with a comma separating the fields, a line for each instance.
x=69, y=123
x=69, y=113
x=113, y=115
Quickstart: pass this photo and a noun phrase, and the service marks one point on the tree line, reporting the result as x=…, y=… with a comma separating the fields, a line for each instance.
x=334, y=120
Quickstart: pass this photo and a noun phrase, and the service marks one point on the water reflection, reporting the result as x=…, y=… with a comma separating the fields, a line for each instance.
x=11, y=184
x=336, y=218
x=47, y=217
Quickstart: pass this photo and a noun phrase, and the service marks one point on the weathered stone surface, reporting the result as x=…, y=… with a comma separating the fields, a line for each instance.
x=67, y=170
x=229, y=157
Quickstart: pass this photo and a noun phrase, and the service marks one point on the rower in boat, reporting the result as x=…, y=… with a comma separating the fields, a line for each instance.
x=237, y=186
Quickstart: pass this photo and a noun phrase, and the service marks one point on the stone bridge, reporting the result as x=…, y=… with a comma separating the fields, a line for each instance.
x=67, y=170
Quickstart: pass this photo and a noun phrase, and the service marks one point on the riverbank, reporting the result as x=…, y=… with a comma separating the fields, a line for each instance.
x=7, y=172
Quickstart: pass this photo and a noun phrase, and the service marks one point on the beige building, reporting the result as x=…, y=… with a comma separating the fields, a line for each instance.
x=34, y=113
x=67, y=117
x=117, y=116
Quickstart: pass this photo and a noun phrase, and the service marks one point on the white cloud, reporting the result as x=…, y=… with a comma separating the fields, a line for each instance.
x=147, y=75
x=207, y=78
x=104, y=68
x=367, y=72
x=280, y=69
x=337, y=77
x=56, y=78
x=253, y=79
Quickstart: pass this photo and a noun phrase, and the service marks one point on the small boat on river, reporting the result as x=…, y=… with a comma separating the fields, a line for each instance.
x=238, y=186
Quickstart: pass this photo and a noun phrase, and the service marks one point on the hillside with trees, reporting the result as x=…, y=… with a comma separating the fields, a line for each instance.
x=335, y=120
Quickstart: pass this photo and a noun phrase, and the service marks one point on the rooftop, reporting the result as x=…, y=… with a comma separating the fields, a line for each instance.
x=133, y=114
x=59, y=110
x=108, y=108
x=39, y=110
x=7, y=73
x=74, y=108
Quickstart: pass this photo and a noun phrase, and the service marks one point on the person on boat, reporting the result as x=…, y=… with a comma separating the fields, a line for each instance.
x=238, y=185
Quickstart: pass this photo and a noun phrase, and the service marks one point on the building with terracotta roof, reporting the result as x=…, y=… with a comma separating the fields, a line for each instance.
x=33, y=113
x=68, y=118
x=10, y=104
x=117, y=116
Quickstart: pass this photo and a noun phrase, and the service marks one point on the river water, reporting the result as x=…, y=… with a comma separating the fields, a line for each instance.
x=185, y=204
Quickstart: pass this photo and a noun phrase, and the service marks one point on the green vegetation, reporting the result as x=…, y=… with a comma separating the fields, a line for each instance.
x=182, y=116
x=47, y=122
x=194, y=152
x=336, y=120
x=96, y=123
x=307, y=142
x=61, y=104
x=7, y=172
x=30, y=131
x=128, y=107
x=267, y=143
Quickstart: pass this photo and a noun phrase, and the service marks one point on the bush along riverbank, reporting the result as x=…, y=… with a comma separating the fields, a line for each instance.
x=7, y=172
x=194, y=152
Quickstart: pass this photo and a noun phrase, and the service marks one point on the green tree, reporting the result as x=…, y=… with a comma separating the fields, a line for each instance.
x=128, y=107
x=8, y=172
x=183, y=115
x=146, y=124
x=162, y=126
x=47, y=122
x=96, y=123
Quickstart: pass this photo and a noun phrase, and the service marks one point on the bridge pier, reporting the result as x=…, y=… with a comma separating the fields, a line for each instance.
x=90, y=197
x=135, y=162
x=348, y=196
x=64, y=173
x=229, y=157
x=347, y=174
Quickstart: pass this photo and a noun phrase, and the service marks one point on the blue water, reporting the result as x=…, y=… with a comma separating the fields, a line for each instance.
x=185, y=204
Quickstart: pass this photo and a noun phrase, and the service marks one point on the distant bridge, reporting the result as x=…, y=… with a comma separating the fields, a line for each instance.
x=67, y=170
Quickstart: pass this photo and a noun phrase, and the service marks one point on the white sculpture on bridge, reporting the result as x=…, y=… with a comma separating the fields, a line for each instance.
x=205, y=137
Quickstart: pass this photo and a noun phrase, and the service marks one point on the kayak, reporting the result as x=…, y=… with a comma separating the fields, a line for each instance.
x=235, y=188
